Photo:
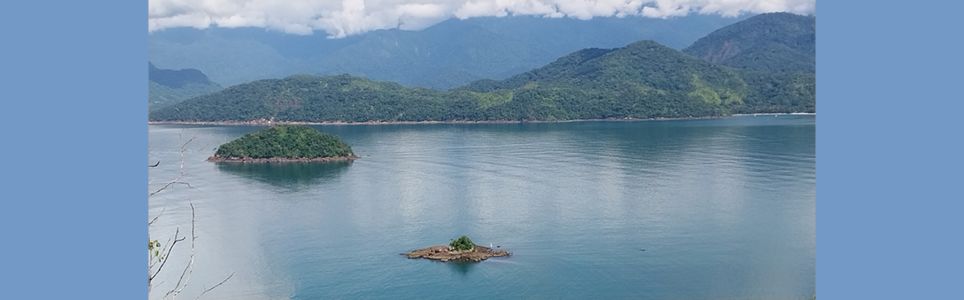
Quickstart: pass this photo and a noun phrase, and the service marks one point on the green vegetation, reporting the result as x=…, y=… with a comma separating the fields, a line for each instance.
x=639, y=81
x=160, y=96
x=775, y=42
x=642, y=80
x=285, y=142
x=775, y=54
x=167, y=87
x=446, y=55
x=463, y=243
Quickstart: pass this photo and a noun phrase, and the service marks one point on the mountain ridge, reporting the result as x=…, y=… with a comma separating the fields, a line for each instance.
x=643, y=79
x=449, y=54
x=167, y=87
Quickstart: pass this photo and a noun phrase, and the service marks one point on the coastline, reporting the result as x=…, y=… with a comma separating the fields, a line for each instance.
x=375, y=123
x=249, y=160
x=444, y=253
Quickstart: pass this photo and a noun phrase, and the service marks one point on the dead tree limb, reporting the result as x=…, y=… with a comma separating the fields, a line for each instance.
x=164, y=255
x=215, y=286
x=188, y=269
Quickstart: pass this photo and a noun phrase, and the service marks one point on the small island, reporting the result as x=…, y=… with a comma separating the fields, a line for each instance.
x=284, y=143
x=461, y=249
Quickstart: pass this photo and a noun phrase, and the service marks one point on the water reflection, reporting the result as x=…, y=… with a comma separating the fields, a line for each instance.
x=461, y=268
x=287, y=175
x=724, y=209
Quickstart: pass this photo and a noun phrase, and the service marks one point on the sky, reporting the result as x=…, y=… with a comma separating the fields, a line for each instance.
x=341, y=18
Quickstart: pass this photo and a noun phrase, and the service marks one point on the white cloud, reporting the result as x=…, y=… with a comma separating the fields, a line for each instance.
x=340, y=18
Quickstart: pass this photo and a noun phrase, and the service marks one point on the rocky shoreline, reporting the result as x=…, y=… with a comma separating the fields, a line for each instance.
x=246, y=160
x=445, y=254
x=342, y=123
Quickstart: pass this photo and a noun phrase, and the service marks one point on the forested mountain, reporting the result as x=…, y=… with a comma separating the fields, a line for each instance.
x=168, y=87
x=309, y=97
x=642, y=80
x=449, y=54
x=776, y=55
x=767, y=42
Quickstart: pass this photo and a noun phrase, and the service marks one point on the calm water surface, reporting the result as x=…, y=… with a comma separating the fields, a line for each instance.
x=695, y=209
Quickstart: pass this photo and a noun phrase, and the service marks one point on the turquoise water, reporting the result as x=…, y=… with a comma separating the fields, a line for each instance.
x=691, y=209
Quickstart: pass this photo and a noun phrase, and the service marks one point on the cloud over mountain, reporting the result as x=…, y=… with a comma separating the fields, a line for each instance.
x=348, y=17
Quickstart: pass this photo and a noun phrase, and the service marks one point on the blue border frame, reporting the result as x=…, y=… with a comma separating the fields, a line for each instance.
x=889, y=149
x=73, y=78
x=74, y=145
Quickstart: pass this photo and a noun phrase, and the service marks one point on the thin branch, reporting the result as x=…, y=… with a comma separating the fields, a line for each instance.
x=180, y=173
x=162, y=255
x=169, y=184
x=154, y=165
x=215, y=286
x=166, y=256
x=188, y=270
x=184, y=279
x=158, y=216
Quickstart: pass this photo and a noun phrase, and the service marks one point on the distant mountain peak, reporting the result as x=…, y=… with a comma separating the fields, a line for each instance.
x=176, y=78
x=167, y=87
x=448, y=54
x=771, y=42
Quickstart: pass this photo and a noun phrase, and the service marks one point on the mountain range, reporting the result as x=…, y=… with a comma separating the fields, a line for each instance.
x=446, y=55
x=761, y=64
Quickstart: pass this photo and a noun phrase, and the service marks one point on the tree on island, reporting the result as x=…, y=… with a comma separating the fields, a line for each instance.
x=285, y=141
x=463, y=243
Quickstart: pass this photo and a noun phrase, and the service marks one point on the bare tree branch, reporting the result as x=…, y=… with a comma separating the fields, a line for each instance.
x=158, y=216
x=180, y=173
x=160, y=256
x=188, y=269
x=215, y=286
x=165, y=259
x=154, y=165
x=169, y=184
x=165, y=255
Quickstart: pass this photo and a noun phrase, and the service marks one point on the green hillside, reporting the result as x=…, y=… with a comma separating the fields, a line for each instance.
x=167, y=87
x=285, y=142
x=642, y=80
x=762, y=64
x=775, y=42
x=775, y=54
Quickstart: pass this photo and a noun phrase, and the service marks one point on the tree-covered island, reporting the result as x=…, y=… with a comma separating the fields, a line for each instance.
x=284, y=143
x=460, y=249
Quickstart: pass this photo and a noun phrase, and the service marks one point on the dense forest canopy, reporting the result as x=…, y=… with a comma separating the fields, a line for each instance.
x=285, y=141
x=775, y=54
x=641, y=80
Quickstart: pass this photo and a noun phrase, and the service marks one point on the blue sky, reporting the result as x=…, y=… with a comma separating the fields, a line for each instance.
x=341, y=18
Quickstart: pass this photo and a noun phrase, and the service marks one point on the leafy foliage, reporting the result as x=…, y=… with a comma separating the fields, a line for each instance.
x=285, y=142
x=462, y=243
